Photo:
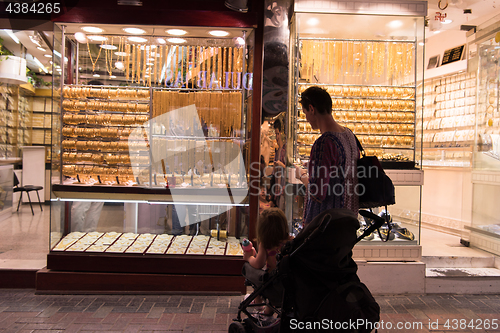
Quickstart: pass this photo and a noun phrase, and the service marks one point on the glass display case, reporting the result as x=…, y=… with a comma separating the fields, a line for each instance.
x=485, y=226
x=371, y=81
x=16, y=116
x=371, y=76
x=448, y=120
x=151, y=149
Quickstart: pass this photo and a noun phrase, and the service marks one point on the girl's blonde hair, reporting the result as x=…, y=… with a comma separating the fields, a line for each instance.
x=272, y=228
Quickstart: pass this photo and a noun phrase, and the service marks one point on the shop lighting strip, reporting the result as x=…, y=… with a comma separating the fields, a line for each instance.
x=12, y=35
x=144, y=88
x=103, y=86
x=350, y=85
x=153, y=202
x=184, y=89
x=196, y=137
x=358, y=40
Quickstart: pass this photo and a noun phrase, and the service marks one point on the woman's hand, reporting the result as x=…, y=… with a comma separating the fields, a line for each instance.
x=279, y=163
x=248, y=254
x=301, y=174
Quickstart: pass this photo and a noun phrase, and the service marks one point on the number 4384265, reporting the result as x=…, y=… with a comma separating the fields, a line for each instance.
x=33, y=8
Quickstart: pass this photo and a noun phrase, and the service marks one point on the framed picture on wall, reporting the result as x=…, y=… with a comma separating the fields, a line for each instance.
x=433, y=62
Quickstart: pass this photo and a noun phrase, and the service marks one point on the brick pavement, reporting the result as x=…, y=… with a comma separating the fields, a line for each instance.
x=24, y=311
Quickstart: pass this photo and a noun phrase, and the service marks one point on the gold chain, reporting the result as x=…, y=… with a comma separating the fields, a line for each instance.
x=109, y=59
x=90, y=55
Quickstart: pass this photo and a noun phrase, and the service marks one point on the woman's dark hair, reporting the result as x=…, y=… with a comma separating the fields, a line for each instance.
x=317, y=97
x=277, y=125
x=272, y=228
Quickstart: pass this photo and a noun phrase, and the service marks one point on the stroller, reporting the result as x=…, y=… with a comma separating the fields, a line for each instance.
x=314, y=286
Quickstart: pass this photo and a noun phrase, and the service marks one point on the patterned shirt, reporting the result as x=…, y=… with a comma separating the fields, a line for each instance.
x=332, y=174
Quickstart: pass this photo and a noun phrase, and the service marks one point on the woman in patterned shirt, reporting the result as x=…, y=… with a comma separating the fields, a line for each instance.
x=330, y=177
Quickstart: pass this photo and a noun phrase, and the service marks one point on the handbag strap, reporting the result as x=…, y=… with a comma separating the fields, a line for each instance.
x=360, y=147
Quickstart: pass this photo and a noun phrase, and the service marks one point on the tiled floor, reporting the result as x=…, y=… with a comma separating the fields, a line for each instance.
x=23, y=311
x=24, y=240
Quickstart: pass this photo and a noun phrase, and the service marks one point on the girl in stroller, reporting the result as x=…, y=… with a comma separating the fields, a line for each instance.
x=272, y=234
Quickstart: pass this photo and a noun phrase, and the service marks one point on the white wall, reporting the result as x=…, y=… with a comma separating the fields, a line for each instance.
x=436, y=44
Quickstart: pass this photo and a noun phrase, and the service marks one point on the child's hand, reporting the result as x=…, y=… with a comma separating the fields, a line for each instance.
x=248, y=254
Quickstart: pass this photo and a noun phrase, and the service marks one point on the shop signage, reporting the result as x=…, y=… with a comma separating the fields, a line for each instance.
x=452, y=55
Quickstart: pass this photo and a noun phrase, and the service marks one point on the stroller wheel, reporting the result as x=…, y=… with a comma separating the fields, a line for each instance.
x=237, y=327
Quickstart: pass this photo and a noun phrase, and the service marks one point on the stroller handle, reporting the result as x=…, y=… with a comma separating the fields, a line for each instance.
x=378, y=222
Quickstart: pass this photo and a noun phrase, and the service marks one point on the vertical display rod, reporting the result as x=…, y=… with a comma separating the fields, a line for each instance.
x=150, y=137
x=415, y=43
x=63, y=53
x=77, y=50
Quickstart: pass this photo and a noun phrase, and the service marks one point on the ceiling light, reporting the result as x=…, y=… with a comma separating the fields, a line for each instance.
x=121, y=54
x=313, y=21
x=108, y=47
x=11, y=34
x=112, y=77
x=161, y=41
x=447, y=21
x=119, y=65
x=176, y=40
x=435, y=25
x=93, y=30
x=137, y=39
x=81, y=37
x=41, y=49
x=35, y=40
x=395, y=24
x=239, y=41
x=48, y=55
x=134, y=31
x=421, y=43
x=96, y=75
x=219, y=33
x=176, y=32
x=97, y=38
x=436, y=32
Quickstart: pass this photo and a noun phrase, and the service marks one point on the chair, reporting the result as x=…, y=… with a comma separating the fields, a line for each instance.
x=27, y=189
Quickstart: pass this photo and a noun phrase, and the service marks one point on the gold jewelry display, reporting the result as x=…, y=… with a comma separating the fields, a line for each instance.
x=94, y=62
x=109, y=59
x=229, y=64
x=144, y=61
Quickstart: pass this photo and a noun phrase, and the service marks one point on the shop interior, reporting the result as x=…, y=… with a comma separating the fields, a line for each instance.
x=443, y=148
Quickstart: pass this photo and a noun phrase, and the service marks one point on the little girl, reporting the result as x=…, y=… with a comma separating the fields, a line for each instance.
x=272, y=234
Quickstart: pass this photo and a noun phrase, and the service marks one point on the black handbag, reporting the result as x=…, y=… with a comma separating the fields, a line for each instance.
x=375, y=187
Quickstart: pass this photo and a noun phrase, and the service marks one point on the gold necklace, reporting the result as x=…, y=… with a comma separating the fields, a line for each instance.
x=90, y=56
x=109, y=59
